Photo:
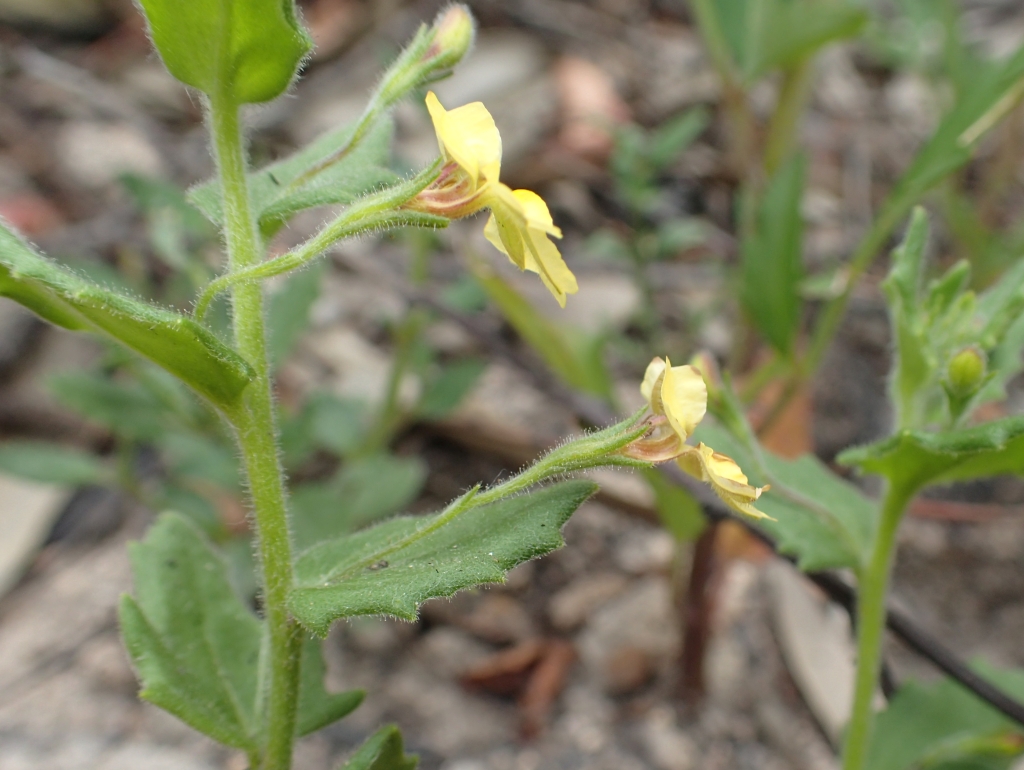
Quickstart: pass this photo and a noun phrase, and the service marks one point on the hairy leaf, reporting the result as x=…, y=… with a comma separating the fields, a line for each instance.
x=382, y=751
x=317, y=707
x=914, y=459
x=822, y=520
x=939, y=724
x=296, y=183
x=175, y=342
x=194, y=644
x=390, y=569
x=243, y=51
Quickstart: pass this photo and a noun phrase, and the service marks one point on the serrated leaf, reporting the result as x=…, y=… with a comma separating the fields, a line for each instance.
x=773, y=259
x=390, y=569
x=937, y=724
x=175, y=342
x=243, y=51
x=194, y=644
x=382, y=751
x=914, y=459
x=50, y=463
x=317, y=707
x=281, y=189
x=822, y=520
x=363, y=491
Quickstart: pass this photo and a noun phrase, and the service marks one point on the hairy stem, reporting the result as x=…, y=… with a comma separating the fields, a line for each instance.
x=255, y=427
x=874, y=585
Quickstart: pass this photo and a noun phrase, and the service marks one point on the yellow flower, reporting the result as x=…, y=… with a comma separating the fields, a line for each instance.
x=725, y=477
x=520, y=223
x=678, y=398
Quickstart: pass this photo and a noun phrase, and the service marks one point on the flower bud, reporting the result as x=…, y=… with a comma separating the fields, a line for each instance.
x=966, y=373
x=454, y=31
x=706, y=364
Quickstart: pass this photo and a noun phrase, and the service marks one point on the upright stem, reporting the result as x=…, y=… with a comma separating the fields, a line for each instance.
x=874, y=585
x=255, y=426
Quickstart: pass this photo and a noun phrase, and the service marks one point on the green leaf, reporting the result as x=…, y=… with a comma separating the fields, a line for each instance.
x=280, y=190
x=364, y=490
x=675, y=135
x=195, y=646
x=564, y=354
x=382, y=751
x=914, y=459
x=317, y=707
x=995, y=88
x=195, y=456
x=325, y=422
x=242, y=51
x=395, y=566
x=447, y=390
x=822, y=520
x=680, y=512
x=51, y=464
x=773, y=259
x=783, y=32
x=288, y=311
x=175, y=342
x=937, y=724
x=126, y=408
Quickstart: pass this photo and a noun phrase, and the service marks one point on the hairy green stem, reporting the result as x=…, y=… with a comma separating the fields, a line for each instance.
x=255, y=428
x=872, y=590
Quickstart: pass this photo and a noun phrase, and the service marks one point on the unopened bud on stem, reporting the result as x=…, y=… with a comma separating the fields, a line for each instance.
x=454, y=31
x=966, y=372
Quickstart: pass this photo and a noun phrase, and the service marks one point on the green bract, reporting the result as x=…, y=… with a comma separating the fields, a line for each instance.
x=244, y=51
x=175, y=342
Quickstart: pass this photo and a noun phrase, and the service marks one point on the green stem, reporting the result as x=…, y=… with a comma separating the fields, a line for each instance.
x=255, y=427
x=874, y=585
x=785, y=122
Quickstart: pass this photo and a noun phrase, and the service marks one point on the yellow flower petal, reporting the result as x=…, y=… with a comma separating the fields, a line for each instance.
x=684, y=397
x=725, y=477
x=468, y=136
x=536, y=212
x=650, y=388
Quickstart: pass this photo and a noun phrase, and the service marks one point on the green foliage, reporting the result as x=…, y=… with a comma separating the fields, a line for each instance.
x=302, y=180
x=446, y=390
x=822, y=520
x=364, y=490
x=51, y=464
x=765, y=35
x=197, y=647
x=914, y=459
x=680, y=512
x=173, y=341
x=575, y=359
x=382, y=751
x=390, y=569
x=772, y=259
x=241, y=52
x=126, y=408
x=943, y=726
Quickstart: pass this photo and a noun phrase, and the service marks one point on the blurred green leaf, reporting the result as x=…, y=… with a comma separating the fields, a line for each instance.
x=390, y=569
x=51, y=464
x=564, y=354
x=244, y=52
x=175, y=342
x=914, y=459
x=126, y=408
x=822, y=520
x=673, y=136
x=382, y=751
x=942, y=725
x=324, y=422
x=680, y=512
x=449, y=387
x=195, y=456
x=772, y=259
x=288, y=310
x=282, y=189
x=194, y=644
x=363, y=491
